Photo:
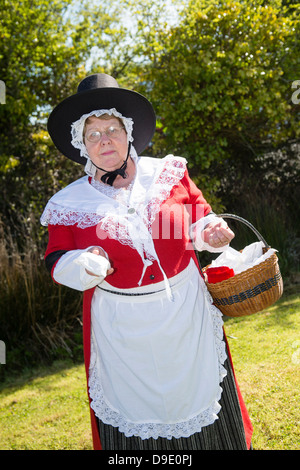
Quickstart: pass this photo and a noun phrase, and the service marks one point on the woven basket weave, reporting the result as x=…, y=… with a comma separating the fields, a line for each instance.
x=250, y=291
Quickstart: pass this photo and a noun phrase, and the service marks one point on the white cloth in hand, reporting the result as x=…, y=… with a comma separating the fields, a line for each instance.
x=70, y=269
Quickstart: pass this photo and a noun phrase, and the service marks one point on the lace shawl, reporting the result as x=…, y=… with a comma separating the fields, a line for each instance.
x=68, y=208
x=129, y=223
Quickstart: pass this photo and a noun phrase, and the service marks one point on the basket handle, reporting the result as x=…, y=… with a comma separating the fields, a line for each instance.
x=244, y=221
x=240, y=219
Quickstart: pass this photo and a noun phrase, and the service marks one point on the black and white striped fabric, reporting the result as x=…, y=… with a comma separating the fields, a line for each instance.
x=226, y=433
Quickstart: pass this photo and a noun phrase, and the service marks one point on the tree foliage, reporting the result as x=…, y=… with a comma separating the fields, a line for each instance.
x=221, y=79
x=45, y=50
x=218, y=72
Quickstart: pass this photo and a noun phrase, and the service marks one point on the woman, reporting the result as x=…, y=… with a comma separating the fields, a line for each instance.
x=158, y=367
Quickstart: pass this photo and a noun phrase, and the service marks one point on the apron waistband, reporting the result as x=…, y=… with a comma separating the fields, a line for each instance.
x=151, y=288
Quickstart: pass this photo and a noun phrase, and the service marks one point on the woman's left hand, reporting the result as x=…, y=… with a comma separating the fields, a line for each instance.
x=217, y=234
x=96, y=250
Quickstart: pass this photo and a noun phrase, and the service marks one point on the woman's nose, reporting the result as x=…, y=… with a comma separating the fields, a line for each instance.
x=104, y=138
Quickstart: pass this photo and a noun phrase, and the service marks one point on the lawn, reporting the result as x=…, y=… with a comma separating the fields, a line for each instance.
x=48, y=408
x=266, y=354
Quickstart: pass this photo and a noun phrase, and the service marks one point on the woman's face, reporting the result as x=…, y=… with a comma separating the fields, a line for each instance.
x=108, y=153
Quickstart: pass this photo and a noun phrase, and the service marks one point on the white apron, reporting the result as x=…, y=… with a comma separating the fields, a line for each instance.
x=156, y=366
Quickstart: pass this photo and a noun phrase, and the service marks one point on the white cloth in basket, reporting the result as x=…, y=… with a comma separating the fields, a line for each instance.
x=251, y=256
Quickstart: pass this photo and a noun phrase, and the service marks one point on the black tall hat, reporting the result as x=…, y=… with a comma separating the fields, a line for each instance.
x=101, y=91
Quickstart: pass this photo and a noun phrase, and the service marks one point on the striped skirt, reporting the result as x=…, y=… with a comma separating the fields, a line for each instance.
x=226, y=433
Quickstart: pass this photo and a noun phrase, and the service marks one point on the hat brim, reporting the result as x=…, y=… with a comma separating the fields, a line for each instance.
x=127, y=102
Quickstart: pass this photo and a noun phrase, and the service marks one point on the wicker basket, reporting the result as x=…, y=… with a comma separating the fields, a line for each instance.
x=250, y=291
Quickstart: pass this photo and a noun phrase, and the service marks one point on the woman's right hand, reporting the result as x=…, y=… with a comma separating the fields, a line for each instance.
x=96, y=250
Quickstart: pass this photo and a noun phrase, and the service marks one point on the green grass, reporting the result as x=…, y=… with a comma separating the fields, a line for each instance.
x=48, y=408
x=266, y=354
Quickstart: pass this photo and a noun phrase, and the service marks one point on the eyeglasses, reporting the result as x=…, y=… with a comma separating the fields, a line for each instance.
x=93, y=135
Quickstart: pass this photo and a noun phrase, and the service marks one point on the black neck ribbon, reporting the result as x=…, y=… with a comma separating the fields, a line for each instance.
x=110, y=176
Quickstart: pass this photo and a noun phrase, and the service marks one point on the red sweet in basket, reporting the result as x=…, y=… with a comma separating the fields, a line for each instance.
x=218, y=274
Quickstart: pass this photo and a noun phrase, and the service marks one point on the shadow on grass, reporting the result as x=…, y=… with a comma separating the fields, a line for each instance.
x=16, y=380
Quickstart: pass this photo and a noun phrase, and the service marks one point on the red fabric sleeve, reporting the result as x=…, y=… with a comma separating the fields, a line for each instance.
x=60, y=237
x=198, y=207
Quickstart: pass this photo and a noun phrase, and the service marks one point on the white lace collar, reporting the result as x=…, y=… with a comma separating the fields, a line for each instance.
x=80, y=203
x=121, y=194
x=130, y=223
